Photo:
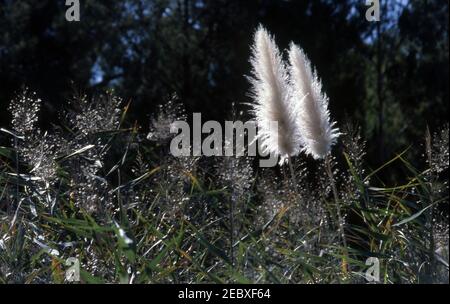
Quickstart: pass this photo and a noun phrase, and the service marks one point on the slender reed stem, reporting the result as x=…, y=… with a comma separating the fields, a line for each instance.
x=294, y=180
x=16, y=147
x=232, y=230
x=291, y=168
x=429, y=214
x=232, y=198
x=338, y=208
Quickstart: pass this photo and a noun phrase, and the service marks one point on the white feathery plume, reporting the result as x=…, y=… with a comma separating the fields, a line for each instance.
x=317, y=132
x=272, y=99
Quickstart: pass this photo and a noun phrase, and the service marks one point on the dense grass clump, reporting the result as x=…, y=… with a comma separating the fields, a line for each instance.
x=98, y=189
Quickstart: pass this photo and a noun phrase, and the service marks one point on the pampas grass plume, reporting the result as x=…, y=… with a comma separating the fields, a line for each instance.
x=271, y=94
x=313, y=118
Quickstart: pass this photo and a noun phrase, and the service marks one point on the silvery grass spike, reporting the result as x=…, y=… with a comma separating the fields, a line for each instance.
x=272, y=101
x=313, y=117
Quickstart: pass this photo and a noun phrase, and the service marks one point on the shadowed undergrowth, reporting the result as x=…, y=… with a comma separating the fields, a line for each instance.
x=95, y=188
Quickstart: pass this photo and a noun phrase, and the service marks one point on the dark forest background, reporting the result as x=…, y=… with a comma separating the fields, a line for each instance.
x=388, y=77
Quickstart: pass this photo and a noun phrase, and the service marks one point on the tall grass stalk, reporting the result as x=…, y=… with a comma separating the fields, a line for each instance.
x=329, y=170
x=429, y=213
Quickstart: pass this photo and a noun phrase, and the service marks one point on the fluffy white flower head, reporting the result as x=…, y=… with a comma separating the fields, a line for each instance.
x=313, y=118
x=272, y=102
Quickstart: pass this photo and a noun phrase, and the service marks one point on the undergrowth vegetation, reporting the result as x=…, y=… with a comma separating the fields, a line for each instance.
x=97, y=189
